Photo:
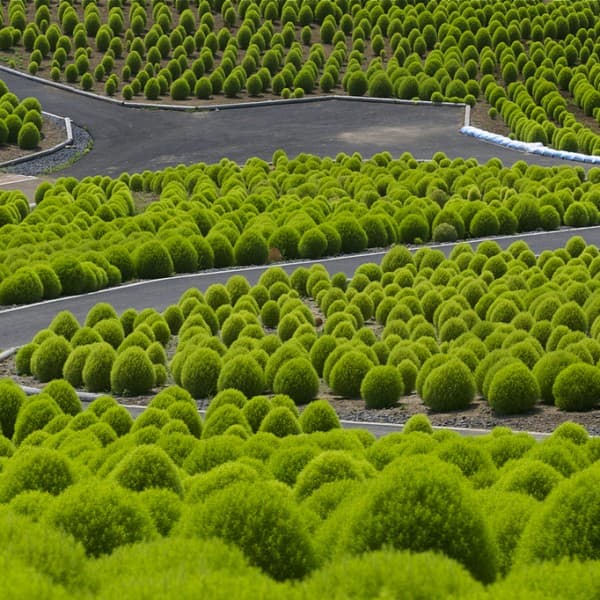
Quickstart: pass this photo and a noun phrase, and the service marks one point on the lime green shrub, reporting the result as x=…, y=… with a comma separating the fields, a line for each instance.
x=382, y=387
x=200, y=372
x=101, y=515
x=132, y=372
x=148, y=467
x=577, y=387
x=33, y=416
x=319, y=415
x=12, y=398
x=263, y=521
x=348, y=373
x=298, y=379
x=513, y=389
x=449, y=386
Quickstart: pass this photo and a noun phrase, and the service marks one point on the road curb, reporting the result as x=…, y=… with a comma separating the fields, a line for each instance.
x=41, y=153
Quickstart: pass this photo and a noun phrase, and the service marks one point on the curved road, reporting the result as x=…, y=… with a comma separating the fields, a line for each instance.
x=18, y=325
x=130, y=139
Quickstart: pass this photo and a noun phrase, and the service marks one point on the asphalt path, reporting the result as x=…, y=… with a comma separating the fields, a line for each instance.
x=18, y=325
x=133, y=139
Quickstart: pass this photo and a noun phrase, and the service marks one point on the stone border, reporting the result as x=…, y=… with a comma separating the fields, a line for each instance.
x=41, y=153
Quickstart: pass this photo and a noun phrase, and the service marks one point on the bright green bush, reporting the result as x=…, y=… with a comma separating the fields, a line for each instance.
x=132, y=373
x=298, y=379
x=36, y=469
x=200, y=372
x=263, y=521
x=243, y=373
x=48, y=360
x=449, y=386
x=577, y=387
x=152, y=260
x=250, y=249
x=97, y=367
x=64, y=395
x=529, y=476
x=22, y=287
x=348, y=373
x=33, y=416
x=448, y=520
x=281, y=422
x=319, y=416
x=513, y=389
x=12, y=398
x=382, y=387
x=147, y=467
x=29, y=137
x=101, y=516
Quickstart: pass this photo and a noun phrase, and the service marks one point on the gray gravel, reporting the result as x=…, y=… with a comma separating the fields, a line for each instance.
x=82, y=142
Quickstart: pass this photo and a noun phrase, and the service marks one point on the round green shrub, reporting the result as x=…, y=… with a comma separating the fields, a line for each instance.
x=263, y=521
x=298, y=379
x=251, y=249
x=513, y=389
x=319, y=416
x=382, y=387
x=33, y=416
x=132, y=372
x=29, y=137
x=448, y=521
x=201, y=371
x=48, y=360
x=348, y=373
x=243, y=373
x=22, y=287
x=529, y=476
x=180, y=89
x=152, y=260
x=147, y=467
x=547, y=369
x=64, y=395
x=101, y=516
x=12, y=397
x=449, y=386
x=577, y=387
x=564, y=525
x=36, y=469
x=281, y=422
x=97, y=368
x=119, y=419
x=380, y=85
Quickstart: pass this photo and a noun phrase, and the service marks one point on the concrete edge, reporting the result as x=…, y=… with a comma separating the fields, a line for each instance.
x=66, y=142
x=218, y=107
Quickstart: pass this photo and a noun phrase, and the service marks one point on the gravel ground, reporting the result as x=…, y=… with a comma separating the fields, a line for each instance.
x=82, y=142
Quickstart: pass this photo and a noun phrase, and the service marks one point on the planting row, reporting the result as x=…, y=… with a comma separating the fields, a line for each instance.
x=94, y=504
x=20, y=122
x=508, y=326
x=536, y=63
x=86, y=235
